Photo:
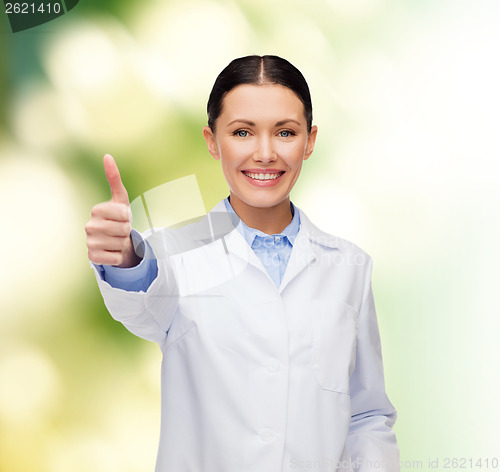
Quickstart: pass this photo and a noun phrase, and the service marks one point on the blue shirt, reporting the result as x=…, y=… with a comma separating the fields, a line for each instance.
x=273, y=251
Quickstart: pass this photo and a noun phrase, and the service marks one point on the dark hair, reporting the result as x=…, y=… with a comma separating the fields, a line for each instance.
x=258, y=70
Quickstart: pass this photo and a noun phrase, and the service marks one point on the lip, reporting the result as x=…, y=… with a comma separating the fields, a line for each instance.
x=263, y=171
x=263, y=183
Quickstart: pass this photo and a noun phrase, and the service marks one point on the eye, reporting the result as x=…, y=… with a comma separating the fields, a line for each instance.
x=241, y=133
x=286, y=133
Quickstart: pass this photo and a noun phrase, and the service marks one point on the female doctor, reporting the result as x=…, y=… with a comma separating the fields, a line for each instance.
x=267, y=325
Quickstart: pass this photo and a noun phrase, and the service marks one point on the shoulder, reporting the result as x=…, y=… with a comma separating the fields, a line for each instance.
x=331, y=243
x=192, y=234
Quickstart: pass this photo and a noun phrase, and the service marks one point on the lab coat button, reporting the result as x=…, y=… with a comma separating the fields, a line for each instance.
x=267, y=435
x=273, y=365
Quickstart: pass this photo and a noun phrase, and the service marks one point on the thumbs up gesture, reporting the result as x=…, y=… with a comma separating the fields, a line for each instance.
x=108, y=230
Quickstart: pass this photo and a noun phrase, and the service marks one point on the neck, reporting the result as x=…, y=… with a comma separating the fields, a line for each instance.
x=269, y=220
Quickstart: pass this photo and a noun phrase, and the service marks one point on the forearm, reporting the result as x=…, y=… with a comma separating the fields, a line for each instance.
x=371, y=441
x=143, y=298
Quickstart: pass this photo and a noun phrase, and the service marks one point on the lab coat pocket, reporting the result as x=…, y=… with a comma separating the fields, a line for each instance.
x=334, y=326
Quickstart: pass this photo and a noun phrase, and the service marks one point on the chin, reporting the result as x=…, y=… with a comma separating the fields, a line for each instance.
x=264, y=202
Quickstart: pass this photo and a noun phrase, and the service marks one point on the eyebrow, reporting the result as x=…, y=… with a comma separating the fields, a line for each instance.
x=251, y=123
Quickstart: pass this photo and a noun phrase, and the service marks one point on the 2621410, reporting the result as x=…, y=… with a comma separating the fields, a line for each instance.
x=32, y=8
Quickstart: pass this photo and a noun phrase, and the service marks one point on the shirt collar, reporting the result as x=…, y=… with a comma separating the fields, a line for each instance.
x=249, y=234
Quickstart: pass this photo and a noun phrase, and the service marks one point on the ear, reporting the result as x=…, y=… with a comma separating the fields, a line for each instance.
x=311, y=140
x=209, y=136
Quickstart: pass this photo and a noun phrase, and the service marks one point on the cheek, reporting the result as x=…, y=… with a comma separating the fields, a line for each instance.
x=234, y=152
x=294, y=155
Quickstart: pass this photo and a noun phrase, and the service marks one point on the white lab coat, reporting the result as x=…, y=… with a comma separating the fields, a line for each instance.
x=256, y=378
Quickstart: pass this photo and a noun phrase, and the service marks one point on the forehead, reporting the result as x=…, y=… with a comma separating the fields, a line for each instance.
x=262, y=102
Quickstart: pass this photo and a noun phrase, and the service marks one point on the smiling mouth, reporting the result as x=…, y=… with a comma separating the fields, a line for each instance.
x=263, y=176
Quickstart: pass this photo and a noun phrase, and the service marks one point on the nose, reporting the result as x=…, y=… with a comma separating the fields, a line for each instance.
x=265, y=151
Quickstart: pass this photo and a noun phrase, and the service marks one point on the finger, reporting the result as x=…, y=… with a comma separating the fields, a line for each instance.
x=108, y=243
x=105, y=257
x=118, y=191
x=101, y=228
x=117, y=230
x=111, y=211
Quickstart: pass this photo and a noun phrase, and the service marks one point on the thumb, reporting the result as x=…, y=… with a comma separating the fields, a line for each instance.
x=118, y=191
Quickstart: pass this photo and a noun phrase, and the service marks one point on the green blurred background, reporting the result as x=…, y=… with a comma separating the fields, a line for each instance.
x=406, y=98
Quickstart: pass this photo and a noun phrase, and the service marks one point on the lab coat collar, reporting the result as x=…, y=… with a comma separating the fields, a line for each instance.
x=312, y=232
x=218, y=231
x=305, y=249
x=315, y=234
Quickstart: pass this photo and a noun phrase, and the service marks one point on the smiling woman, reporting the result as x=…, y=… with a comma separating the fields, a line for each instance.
x=266, y=323
x=264, y=102
x=261, y=139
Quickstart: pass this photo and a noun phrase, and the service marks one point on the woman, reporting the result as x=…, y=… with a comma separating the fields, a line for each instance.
x=271, y=351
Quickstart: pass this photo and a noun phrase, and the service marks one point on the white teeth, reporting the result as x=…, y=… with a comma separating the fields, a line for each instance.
x=262, y=176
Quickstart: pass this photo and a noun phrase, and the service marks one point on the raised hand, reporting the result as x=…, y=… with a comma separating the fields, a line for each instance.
x=108, y=230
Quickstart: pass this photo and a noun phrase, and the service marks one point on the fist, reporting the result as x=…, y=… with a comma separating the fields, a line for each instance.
x=108, y=230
